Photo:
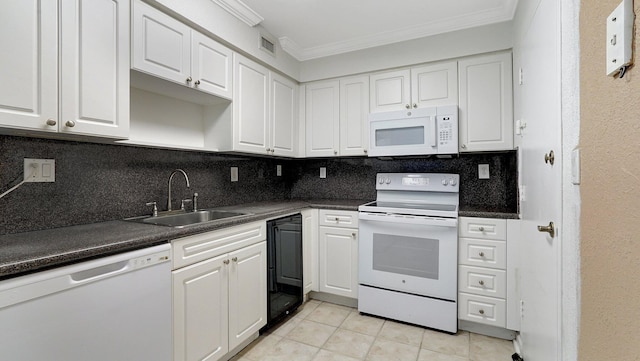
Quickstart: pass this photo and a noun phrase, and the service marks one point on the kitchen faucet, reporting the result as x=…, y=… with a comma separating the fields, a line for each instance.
x=170, y=178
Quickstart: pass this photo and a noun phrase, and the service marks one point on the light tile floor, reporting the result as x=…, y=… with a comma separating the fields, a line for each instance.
x=321, y=331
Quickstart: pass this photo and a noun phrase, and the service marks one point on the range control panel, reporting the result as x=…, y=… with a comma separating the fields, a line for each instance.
x=424, y=182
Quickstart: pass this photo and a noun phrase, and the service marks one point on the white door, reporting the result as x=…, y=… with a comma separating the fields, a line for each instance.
x=322, y=119
x=94, y=68
x=284, y=116
x=433, y=85
x=354, y=115
x=247, y=292
x=338, y=260
x=161, y=44
x=211, y=66
x=29, y=64
x=390, y=91
x=250, y=106
x=541, y=184
x=200, y=306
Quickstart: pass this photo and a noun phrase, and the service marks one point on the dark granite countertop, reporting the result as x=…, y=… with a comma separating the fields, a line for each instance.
x=26, y=252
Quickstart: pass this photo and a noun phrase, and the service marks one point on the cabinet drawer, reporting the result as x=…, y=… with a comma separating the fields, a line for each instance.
x=487, y=310
x=333, y=218
x=192, y=249
x=482, y=281
x=485, y=228
x=483, y=253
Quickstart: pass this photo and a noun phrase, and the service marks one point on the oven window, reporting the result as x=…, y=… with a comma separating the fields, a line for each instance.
x=410, y=256
x=399, y=136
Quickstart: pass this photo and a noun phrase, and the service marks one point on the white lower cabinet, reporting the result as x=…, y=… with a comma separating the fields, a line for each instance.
x=310, y=249
x=338, y=254
x=218, y=302
x=486, y=273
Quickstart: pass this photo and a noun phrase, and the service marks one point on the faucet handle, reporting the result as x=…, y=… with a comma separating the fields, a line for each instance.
x=183, y=202
x=195, y=201
x=155, y=208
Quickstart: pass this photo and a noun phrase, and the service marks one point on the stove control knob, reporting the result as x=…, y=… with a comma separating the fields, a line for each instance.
x=452, y=181
x=388, y=181
x=381, y=180
x=444, y=182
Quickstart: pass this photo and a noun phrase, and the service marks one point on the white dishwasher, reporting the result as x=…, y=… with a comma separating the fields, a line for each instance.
x=108, y=309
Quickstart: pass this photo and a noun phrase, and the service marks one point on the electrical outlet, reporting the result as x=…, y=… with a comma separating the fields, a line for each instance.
x=234, y=174
x=483, y=171
x=279, y=170
x=620, y=38
x=323, y=172
x=39, y=170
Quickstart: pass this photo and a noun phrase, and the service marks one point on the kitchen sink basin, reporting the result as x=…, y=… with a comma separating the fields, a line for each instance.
x=181, y=220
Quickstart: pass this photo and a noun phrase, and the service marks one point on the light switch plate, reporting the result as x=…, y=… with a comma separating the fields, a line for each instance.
x=234, y=174
x=323, y=172
x=619, y=37
x=483, y=171
x=39, y=170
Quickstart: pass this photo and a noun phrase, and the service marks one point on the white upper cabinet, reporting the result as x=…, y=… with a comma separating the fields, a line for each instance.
x=322, y=118
x=91, y=39
x=250, y=106
x=486, y=103
x=284, y=116
x=167, y=48
x=354, y=115
x=423, y=86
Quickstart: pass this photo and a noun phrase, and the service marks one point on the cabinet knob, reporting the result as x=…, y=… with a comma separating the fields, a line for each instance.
x=353, y=234
x=481, y=229
x=235, y=259
x=481, y=283
x=273, y=151
x=197, y=82
x=70, y=123
x=481, y=254
x=415, y=105
x=335, y=152
x=481, y=312
x=407, y=106
x=226, y=261
x=464, y=146
x=189, y=79
x=337, y=220
x=51, y=122
x=365, y=151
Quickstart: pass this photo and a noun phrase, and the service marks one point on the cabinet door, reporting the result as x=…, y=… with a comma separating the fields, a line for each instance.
x=310, y=250
x=29, y=64
x=200, y=310
x=486, y=103
x=161, y=44
x=284, y=116
x=322, y=119
x=338, y=260
x=94, y=78
x=434, y=85
x=390, y=91
x=354, y=115
x=250, y=106
x=211, y=66
x=247, y=292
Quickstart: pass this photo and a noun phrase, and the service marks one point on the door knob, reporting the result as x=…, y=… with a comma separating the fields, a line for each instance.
x=549, y=229
x=550, y=157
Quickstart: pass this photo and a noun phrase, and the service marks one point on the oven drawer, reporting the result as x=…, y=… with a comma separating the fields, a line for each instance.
x=482, y=281
x=335, y=218
x=487, y=310
x=484, y=228
x=483, y=253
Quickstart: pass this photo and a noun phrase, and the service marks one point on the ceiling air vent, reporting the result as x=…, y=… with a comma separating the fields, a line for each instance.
x=267, y=45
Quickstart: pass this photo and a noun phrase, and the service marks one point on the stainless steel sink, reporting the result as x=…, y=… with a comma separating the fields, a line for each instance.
x=181, y=220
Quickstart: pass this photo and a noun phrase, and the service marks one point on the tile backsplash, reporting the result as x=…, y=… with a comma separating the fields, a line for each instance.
x=99, y=182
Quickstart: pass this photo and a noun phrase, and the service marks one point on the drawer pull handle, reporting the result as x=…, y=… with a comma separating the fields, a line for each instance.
x=226, y=261
x=481, y=312
x=481, y=254
x=337, y=220
x=481, y=229
x=235, y=259
x=353, y=234
x=481, y=283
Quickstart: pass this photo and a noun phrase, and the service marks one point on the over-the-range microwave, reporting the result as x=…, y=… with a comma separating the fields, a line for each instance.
x=421, y=131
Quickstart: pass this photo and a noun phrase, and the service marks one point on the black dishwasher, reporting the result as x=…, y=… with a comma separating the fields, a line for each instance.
x=284, y=267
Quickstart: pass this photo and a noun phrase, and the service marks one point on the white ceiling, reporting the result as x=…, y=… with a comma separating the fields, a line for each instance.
x=309, y=29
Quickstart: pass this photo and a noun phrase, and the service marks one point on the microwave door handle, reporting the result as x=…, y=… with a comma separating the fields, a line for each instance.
x=432, y=132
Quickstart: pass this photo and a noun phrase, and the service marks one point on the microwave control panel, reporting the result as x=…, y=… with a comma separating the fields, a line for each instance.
x=447, y=136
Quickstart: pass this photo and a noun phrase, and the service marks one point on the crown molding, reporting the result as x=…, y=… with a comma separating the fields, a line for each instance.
x=241, y=11
x=490, y=16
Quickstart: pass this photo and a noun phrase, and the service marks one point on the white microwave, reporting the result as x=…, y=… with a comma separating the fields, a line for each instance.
x=421, y=131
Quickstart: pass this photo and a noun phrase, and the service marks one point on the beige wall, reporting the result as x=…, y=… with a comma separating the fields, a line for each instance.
x=610, y=220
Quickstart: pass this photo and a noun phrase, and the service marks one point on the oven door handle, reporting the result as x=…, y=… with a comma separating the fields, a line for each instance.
x=415, y=220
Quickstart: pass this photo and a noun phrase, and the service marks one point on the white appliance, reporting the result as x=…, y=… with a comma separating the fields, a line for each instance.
x=112, y=308
x=422, y=131
x=408, y=250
